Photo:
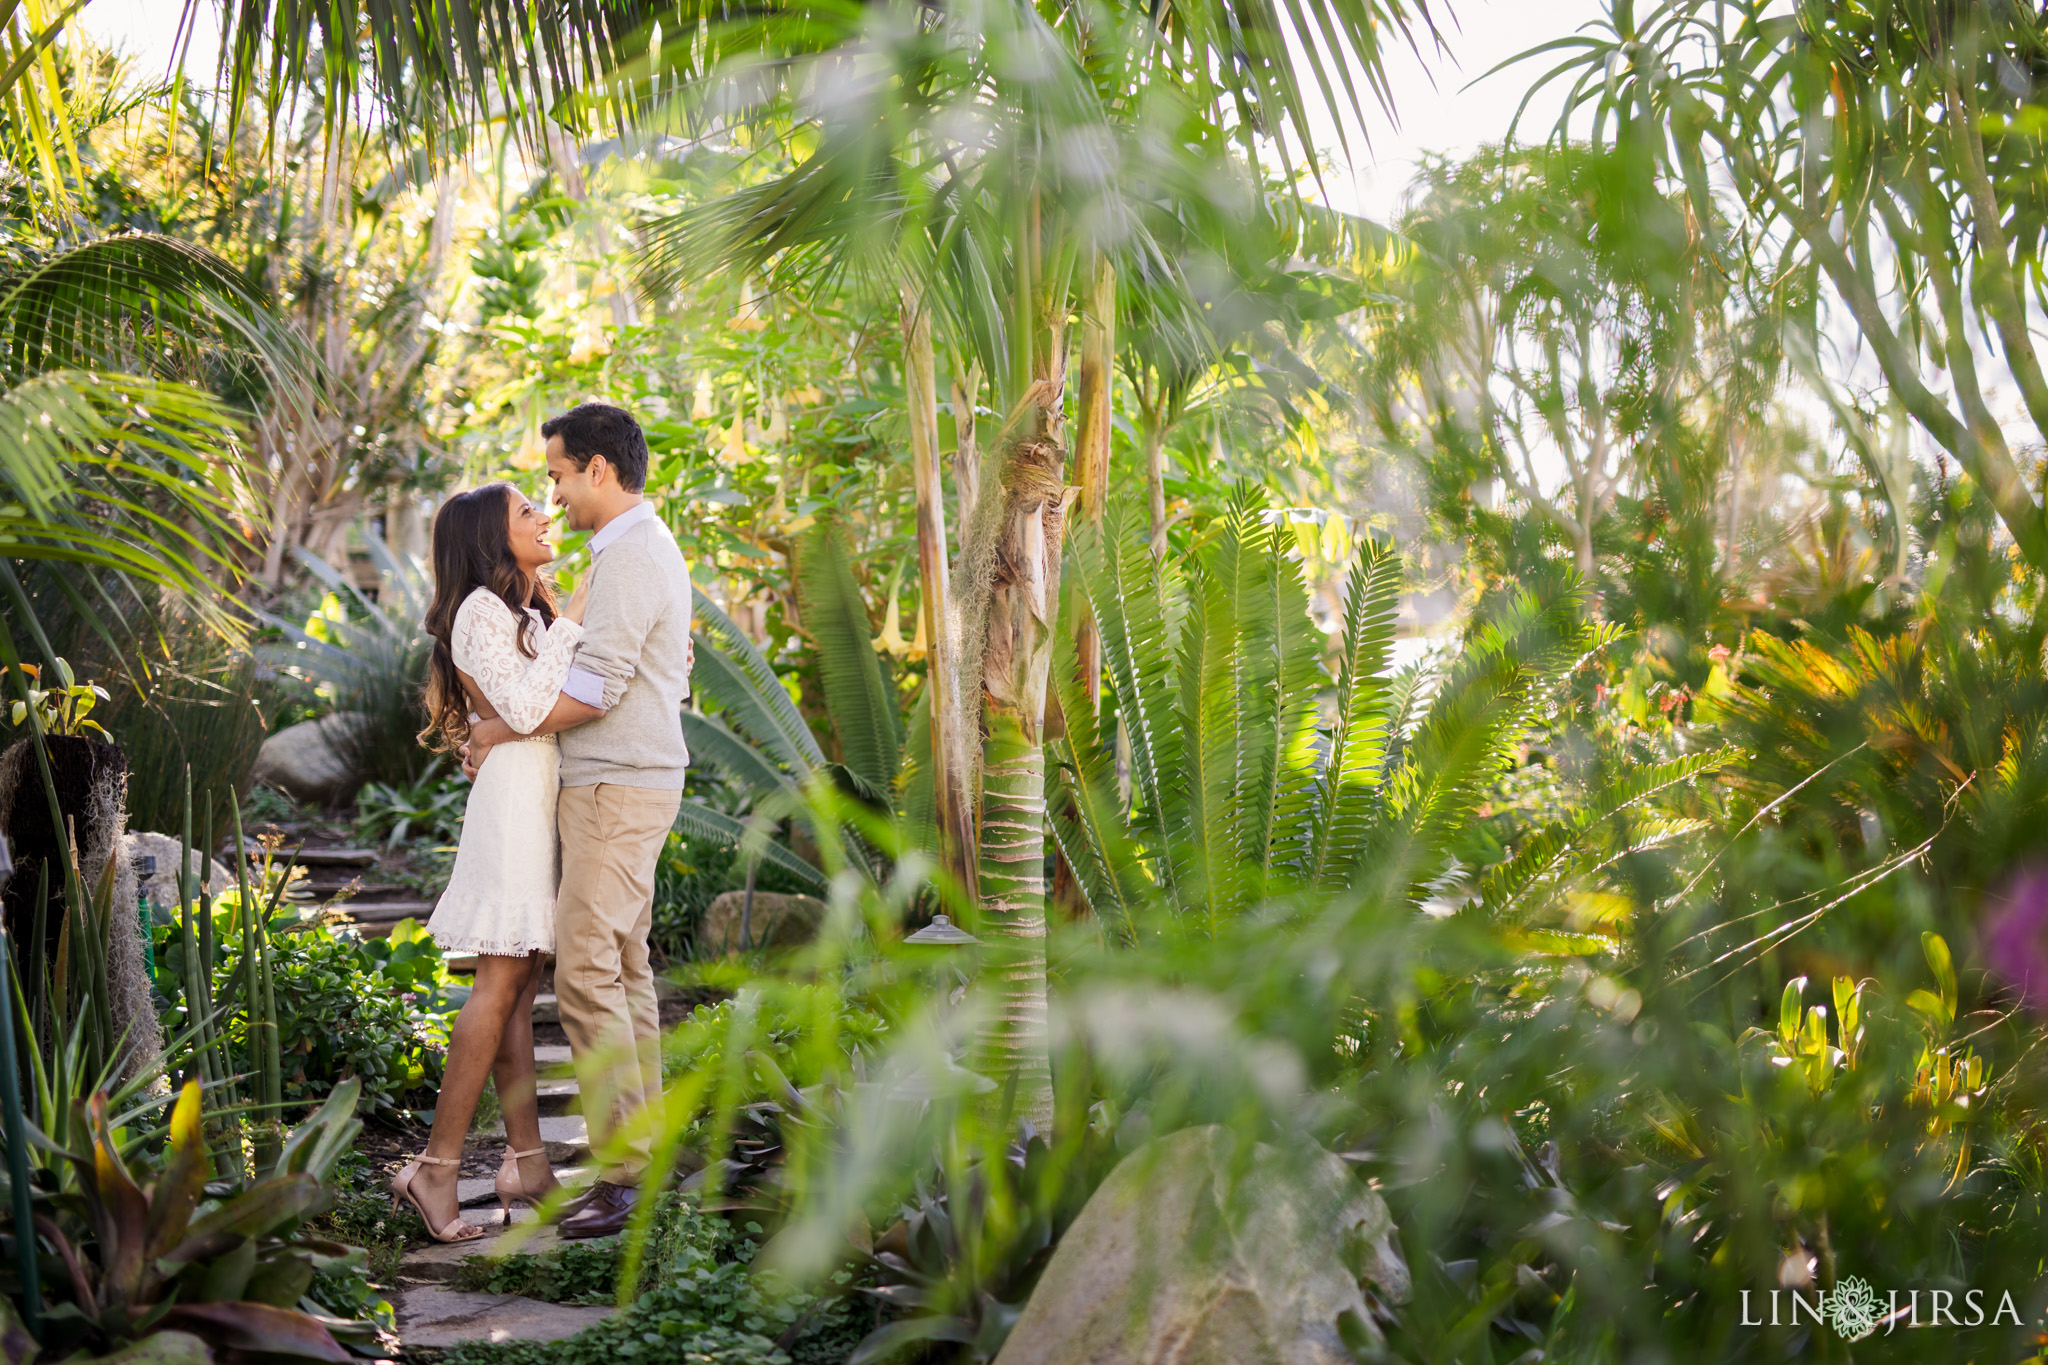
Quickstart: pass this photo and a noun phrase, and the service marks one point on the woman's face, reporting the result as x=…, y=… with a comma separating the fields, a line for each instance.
x=528, y=528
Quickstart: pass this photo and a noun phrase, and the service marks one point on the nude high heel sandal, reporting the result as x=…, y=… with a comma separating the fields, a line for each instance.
x=511, y=1187
x=401, y=1188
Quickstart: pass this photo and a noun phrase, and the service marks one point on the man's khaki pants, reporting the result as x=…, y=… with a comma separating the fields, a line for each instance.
x=612, y=838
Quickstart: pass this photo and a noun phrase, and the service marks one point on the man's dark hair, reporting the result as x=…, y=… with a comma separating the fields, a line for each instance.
x=590, y=429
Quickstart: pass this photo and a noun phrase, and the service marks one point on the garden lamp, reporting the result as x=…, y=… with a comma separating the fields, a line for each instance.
x=944, y=932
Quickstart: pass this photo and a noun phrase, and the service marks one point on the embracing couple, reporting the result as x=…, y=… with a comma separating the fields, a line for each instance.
x=569, y=719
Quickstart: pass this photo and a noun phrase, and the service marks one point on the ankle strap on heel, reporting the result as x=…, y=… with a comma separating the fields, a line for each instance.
x=511, y=1155
x=426, y=1160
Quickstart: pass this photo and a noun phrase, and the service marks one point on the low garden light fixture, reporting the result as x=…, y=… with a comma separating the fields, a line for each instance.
x=943, y=932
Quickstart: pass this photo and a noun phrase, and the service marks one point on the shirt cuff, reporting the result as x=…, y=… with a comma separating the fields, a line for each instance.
x=585, y=687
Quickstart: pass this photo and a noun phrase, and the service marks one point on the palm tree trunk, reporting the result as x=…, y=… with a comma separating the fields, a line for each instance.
x=1009, y=612
x=1022, y=608
x=956, y=824
x=1091, y=455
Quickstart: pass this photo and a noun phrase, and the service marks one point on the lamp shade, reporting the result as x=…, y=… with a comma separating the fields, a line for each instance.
x=944, y=932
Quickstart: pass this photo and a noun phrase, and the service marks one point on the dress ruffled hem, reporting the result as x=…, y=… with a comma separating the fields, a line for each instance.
x=469, y=924
x=456, y=943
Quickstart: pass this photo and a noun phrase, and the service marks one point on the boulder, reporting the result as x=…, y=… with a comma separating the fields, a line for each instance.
x=1194, y=1252
x=310, y=761
x=162, y=885
x=777, y=921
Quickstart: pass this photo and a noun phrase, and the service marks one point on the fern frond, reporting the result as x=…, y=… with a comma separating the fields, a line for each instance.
x=1290, y=800
x=1082, y=808
x=858, y=697
x=1474, y=723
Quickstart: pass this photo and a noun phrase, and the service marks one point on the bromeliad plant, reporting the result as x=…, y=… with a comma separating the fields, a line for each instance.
x=139, y=1256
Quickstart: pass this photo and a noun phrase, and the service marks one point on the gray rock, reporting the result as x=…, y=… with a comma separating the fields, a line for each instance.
x=309, y=761
x=432, y=1316
x=1181, y=1258
x=162, y=886
x=777, y=921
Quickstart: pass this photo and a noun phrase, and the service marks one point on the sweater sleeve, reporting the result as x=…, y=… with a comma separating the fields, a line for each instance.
x=486, y=646
x=617, y=619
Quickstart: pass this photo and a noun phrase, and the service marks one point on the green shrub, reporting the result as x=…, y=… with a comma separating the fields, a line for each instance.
x=376, y=1010
x=701, y=1304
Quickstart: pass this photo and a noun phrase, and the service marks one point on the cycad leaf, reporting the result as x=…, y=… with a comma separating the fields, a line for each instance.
x=1555, y=851
x=1358, y=742
x=1138, y=610
x=858, y=696
x=1082, y=809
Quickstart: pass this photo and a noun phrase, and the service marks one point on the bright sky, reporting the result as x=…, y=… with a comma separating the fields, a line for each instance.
x=1438, y=113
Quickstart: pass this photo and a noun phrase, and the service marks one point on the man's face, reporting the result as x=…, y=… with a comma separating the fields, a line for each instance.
x=575, y=489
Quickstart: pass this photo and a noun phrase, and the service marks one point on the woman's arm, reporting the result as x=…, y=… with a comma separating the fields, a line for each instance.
x=520, y=691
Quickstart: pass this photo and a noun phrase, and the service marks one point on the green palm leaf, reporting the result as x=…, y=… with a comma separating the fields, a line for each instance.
x=700, y=821
x=737, y=676
x=858, y=694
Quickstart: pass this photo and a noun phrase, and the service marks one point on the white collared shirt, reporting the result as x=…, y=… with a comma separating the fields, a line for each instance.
x=581, y=683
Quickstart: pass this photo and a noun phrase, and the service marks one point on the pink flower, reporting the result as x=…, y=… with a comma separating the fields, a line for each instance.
x=2016, y=937
x=1719, y=654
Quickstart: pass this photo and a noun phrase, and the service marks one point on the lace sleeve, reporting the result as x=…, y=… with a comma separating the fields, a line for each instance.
x=486, y=646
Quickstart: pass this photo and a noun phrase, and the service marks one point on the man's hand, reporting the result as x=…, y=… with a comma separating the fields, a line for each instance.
x=484, y=736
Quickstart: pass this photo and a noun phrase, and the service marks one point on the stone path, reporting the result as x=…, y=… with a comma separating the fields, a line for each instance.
x=431, y=1311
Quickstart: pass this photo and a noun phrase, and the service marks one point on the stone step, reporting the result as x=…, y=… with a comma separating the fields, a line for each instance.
x=546, y=1009
x=438, y=1262
x=556, y=1098
x=552, y=1054
x=431, y=1316
x=481, y=1192
x=565, y=1136
x=308, y=858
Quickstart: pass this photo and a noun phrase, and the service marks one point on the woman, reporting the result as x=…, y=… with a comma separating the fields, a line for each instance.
x=500, y=649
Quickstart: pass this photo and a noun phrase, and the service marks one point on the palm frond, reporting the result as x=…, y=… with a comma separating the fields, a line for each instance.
x=715, y=826
x=711, y=740
x=739, y=678
x=858, y=696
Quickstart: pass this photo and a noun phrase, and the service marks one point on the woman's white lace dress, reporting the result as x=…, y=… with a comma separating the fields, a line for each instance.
x=501, y=895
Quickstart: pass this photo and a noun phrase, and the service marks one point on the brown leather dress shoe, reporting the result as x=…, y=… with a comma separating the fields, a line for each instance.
x=603, y=1213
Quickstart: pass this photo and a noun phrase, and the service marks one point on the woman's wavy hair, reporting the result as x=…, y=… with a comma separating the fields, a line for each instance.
x=473, y=549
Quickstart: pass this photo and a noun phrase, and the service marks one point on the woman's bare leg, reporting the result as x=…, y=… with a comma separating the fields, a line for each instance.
x=514, y=1071
x=502, y=987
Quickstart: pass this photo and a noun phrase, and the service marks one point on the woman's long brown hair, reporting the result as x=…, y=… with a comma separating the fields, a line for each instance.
x=473, y=549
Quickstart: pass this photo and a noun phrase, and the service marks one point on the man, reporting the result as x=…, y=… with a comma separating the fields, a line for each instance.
x=620, y=720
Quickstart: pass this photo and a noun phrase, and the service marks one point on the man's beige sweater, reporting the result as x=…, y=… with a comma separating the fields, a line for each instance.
x=636, y=638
